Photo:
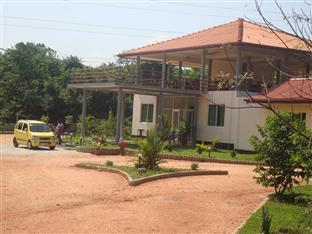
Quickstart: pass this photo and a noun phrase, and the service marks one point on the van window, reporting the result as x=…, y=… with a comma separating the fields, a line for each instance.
x=25, y=127
x=19, y=127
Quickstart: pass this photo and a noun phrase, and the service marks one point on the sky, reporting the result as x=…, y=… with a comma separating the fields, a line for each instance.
x=97, y=30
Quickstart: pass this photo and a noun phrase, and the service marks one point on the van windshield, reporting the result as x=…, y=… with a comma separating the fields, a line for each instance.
x=39, y=128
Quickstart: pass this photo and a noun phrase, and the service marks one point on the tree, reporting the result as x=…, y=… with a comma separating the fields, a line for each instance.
x=286, y=153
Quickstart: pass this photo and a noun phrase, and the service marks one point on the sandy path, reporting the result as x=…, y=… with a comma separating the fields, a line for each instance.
x=42, y=193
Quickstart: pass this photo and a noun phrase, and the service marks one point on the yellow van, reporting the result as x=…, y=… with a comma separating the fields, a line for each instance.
x=33, y=134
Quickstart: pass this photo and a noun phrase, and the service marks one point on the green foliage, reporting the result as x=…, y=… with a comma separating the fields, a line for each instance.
x=44, y=118
x=201, y=148
x=69, y=120
x=109, y=163
x=194, y=166
x=233, y=153
x=215, y=141
x=266, y=221
x=183, y=131
x=99, y=139
x=164, y=127
x=287, y=154
x=150, y=148
x=142, y=170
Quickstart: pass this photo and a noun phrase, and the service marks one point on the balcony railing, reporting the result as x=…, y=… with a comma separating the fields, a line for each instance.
x=152, y=79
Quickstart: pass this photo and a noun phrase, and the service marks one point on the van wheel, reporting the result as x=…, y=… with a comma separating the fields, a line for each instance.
x=52, y=147
x=29, y=145
x=15, y=142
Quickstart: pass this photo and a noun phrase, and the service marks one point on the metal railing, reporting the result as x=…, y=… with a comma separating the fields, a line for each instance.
x=150, y=78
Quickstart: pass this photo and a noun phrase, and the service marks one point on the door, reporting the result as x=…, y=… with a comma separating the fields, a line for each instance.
x=24, y=133
x=175, y=116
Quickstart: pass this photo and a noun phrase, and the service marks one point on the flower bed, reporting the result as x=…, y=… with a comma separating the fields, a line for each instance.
x=98, y=151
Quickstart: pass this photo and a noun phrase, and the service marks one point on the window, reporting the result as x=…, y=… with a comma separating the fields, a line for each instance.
x=216, y=115
x=25, y=127
x=19, y=127
x=147, y=113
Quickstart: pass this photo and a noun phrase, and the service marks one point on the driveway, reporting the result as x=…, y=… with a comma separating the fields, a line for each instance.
x=42, y=192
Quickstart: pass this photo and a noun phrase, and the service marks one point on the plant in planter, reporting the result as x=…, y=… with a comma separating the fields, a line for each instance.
x=122, y=146
x=100, y=141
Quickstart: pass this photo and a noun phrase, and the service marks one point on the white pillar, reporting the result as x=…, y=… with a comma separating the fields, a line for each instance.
x=202, y=72
x=138, y=70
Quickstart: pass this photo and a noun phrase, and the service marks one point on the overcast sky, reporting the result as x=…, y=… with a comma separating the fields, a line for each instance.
x=96, y=31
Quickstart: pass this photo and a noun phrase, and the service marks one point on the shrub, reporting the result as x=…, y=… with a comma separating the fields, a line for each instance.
x=150, y=149
x=109, y=163
x=286, y=153
x=201, y=148
x=44, y=118
x=194, y=166
x=141, y=170
x=215, y=141
x=164, y=127
x=233, y=153
x=182, y=130
x=304, y=200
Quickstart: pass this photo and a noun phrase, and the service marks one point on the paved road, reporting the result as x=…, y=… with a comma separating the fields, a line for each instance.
x=43, y=193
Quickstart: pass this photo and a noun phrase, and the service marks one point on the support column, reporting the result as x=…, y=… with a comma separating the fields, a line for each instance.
x=119, y=119
x=238, y=68
x=83, y=114
x=180, y=76
x=159, y=106
x=138, y=70
x=168, y=75
x=163, y=73
x=122, y=116
x=194, y=129
x=202, y=72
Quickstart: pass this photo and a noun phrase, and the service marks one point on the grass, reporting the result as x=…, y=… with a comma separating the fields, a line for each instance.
x=218, y=154
x=134, y=173
x=285, y=213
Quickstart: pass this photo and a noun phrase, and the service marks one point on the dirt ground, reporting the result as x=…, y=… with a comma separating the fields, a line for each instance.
x=41, y=192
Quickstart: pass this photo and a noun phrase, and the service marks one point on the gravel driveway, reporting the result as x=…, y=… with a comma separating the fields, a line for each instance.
x=42, y=192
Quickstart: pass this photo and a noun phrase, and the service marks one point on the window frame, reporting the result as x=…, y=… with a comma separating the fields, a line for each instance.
x=216, y=119
x=149, y=113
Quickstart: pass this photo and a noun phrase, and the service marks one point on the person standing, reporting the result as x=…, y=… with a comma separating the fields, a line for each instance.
x=59, y=130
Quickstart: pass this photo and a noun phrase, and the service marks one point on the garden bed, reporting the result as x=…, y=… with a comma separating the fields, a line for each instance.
x=219, y=156
x=107, y=150
x=134, y=177
x=289, y=214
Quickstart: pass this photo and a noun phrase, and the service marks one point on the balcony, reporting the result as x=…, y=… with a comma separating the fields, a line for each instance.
x=149, y=81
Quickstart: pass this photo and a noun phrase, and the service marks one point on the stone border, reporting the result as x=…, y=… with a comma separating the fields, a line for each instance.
x=206, y=159
x=199, y=159
x=135, y=182
x=98, y=151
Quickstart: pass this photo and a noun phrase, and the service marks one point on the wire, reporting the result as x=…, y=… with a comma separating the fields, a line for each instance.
x=92, y=25
x=75, y=30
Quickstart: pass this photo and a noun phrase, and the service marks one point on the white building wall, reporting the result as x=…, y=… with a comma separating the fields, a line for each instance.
x=239, y=123
x=136, y=121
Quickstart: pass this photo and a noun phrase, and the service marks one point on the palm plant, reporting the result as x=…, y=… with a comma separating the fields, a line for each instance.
x=150, y=149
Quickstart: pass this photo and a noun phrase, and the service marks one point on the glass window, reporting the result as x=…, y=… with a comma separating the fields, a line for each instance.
x=39, y=128
x=216, y=114
x=19, y=127
x=147, y=113
x=25, y=127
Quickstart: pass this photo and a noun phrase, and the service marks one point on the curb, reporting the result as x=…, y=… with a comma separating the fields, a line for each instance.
x=98, y=151
x=135, y=182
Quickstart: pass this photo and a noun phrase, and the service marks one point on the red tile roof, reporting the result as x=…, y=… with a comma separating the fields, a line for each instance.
x=294, y=90
x=236, y=32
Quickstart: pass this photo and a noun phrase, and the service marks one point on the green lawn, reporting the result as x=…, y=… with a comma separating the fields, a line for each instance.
x=219, y=154
x=285, y=213
x=134, y=172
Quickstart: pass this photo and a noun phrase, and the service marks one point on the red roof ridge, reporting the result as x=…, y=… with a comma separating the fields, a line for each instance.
x=186, y=35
